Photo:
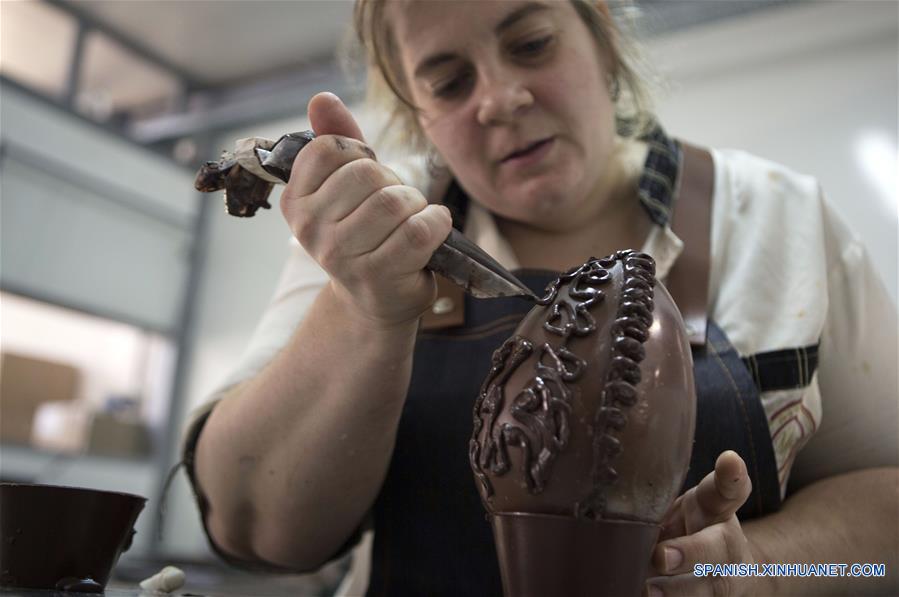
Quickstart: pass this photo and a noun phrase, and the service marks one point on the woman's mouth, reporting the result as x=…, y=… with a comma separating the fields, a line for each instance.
x=530, y=155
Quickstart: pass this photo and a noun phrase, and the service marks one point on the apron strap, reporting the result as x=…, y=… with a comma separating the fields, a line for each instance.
x=688, y=280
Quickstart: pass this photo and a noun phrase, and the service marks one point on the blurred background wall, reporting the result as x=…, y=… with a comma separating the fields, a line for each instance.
x=98, y=215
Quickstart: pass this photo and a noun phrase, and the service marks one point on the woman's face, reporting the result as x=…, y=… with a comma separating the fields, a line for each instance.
x=513, y=95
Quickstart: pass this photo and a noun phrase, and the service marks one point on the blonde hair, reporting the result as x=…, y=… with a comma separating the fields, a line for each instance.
x=386, y=87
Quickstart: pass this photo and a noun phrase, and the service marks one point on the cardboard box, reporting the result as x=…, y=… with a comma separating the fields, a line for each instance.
x=112, y=436
x=25, y=383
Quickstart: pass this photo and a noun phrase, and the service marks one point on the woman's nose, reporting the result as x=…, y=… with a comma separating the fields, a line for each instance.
x=504, y=96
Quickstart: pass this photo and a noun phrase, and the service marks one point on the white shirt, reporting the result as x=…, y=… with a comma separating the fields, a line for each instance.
x=785, y=273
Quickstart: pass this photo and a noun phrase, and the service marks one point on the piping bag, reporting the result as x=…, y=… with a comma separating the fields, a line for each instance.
x=249, y=173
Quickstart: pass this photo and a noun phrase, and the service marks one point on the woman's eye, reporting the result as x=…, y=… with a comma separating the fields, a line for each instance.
x=533, y=47
x=452, y=86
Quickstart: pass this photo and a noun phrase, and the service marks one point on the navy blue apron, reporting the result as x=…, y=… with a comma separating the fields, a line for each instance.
x=431, y=532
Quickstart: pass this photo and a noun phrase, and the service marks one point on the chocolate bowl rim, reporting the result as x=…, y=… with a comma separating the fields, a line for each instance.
x=73, y=488
x=92, y=529
x=570, y=517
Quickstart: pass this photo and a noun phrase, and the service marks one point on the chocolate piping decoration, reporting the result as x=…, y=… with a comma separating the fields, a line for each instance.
x=629, y=331
x=542, y=408
x=489, y=403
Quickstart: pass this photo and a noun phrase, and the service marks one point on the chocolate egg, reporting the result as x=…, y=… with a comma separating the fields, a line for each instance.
x=583, y=431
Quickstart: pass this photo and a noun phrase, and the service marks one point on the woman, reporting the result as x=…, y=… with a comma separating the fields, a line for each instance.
x=347, y=417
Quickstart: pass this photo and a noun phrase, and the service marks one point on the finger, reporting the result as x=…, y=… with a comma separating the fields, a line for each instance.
x=320, y=159
x=409, y=248
x=731, y=478
x=723, y=542
x=349, y=187
x=719, y=495
x=382, y=212
x=688, y=585
x=312, y=217
x=673, y=523
x=329, y=116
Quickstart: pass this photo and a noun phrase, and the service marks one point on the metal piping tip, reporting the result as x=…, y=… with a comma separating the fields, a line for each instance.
x=473, y=269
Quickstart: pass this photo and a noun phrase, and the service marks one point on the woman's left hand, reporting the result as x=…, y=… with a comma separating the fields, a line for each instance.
x=702, y=528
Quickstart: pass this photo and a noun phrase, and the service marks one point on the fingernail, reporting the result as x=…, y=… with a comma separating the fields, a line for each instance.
x=654, y=591
x=673, y=558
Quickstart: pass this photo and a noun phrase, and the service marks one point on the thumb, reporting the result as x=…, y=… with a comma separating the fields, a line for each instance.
x=720, y=494
x=329, y=116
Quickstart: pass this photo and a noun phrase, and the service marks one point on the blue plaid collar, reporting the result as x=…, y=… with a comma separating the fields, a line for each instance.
x=659, y=179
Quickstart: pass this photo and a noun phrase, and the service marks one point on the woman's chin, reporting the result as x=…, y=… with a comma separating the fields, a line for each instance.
x=550, y=203
x=546, y=213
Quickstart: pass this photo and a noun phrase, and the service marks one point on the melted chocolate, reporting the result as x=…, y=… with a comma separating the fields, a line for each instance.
x=245, y=192
x=211, y=176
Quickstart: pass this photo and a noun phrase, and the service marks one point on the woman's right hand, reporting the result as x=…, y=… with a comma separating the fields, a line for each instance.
x=371, y=233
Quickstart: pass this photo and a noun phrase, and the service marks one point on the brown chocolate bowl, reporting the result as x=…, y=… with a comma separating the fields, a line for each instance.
x=63, y=538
